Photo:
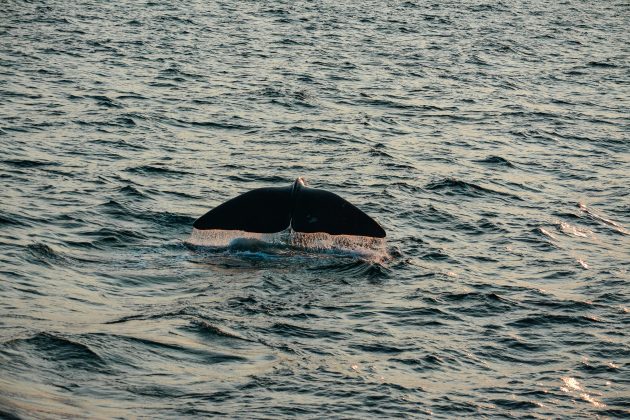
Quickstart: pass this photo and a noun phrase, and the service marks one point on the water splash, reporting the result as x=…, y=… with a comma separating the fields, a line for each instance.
x=364, y=247
x=220, y=238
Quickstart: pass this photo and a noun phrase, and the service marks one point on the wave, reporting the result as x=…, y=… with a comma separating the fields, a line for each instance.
x=496, y=161
x=131, y=191
x=606, y=221
x=453, y=186
x=156, y=169
x=45, y=254
x=208, y=329
x=28, y=163
x=59, y=349
x=9, y=219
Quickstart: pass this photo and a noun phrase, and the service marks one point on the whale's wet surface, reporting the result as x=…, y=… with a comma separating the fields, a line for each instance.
x=489, y=139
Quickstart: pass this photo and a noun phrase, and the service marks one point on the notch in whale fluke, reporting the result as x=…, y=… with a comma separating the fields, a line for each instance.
x=304, y=209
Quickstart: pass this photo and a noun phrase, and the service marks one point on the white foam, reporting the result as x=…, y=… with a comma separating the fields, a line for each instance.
x=364, y=246
x=223, y=238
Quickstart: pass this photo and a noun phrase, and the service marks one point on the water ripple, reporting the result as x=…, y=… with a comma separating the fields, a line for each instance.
x=490, y=139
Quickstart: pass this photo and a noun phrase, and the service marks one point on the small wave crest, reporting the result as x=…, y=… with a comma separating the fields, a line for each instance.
x=45, y=254
x=614, y=225
x=453, y=186
x=59, y=349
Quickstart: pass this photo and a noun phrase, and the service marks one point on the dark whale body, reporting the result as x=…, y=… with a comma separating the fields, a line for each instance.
x=303, y=209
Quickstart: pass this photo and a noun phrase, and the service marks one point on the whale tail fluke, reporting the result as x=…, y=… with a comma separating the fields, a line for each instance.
x=304, y=209
x=264, y=210
x=322, y=211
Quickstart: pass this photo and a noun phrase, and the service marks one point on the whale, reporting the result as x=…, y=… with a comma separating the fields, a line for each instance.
x=297, y=207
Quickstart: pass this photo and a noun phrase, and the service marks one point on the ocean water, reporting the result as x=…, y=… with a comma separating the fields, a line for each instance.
x=489, y=138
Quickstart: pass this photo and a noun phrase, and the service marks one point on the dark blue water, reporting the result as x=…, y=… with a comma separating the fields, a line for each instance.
x=490, y=139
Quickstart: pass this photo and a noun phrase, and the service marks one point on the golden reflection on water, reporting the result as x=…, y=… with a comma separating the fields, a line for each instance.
x=573, y=387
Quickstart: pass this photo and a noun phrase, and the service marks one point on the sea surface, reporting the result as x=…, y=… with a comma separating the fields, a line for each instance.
x=491, y=139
